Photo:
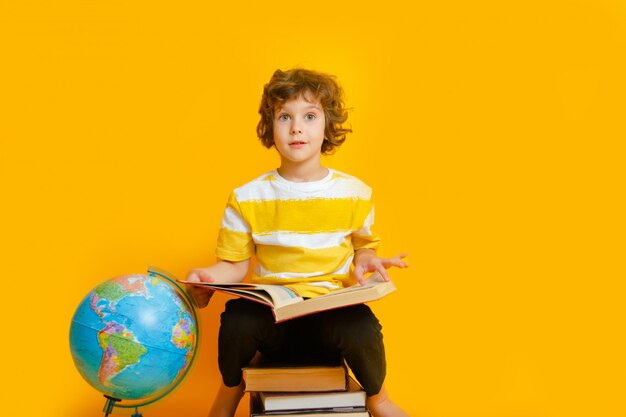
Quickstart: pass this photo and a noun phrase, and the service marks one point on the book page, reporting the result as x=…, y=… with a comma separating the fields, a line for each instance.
x=373, y=290
x=273, y=295
x=371, y=281
x=281, y=295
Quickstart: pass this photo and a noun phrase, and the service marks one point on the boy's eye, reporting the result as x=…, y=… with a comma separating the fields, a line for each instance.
x=283, y=117
x=310, y=116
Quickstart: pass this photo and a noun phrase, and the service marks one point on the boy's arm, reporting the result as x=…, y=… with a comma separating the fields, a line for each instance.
x=220, y=272
x=365, y=260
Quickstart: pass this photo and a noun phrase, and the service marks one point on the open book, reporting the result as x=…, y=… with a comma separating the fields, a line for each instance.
x=287, y=304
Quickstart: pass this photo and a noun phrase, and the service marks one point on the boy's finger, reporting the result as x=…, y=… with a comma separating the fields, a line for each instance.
x=208, y=278
x=204, y=276
x=394, y=262
x=400, y=264
x=358, y=275
x=383, y=273
x=200, y=296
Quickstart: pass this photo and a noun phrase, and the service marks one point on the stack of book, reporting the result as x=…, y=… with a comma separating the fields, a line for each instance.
x=311, y=391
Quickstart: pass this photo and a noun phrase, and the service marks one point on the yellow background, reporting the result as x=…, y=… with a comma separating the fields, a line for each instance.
x=491, y=132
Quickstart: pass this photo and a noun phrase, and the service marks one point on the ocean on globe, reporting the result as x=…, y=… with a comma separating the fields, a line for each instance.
x=134, y=337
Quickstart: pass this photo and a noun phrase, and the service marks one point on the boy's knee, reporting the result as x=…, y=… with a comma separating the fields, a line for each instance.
x=242, y=317
x=355, y=327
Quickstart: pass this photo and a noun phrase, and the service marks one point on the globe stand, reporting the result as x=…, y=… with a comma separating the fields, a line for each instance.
x=109, y=405
x=112, y=402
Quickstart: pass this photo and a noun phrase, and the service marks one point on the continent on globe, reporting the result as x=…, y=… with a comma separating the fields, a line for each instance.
x=110, y=292
x=120, y=349
x=182, y=335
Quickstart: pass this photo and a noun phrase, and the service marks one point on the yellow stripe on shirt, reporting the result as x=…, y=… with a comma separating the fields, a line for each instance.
x=311, y=215
x=303, y=260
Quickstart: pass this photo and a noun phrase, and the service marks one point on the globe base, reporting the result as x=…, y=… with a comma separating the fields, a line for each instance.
x=110, y=403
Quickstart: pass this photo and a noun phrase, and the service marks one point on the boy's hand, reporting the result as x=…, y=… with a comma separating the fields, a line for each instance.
x=200, y=296
x=367, y=261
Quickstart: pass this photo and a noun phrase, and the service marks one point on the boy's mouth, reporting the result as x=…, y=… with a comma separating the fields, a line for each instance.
x=297, y=143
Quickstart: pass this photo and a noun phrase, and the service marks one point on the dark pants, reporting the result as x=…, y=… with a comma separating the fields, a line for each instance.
x=351, y=333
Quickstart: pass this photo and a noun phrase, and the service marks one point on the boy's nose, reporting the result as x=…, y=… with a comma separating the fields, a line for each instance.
x=296, y=130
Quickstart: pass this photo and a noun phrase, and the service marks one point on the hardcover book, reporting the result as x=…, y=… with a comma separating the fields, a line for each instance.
x=287, y=304
x=354, y=396
x=296, y=378
x=256, y=410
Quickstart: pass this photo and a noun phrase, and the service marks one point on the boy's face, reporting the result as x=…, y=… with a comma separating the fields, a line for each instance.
x=299, y=129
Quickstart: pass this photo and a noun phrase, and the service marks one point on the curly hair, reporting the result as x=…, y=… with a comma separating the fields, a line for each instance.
x=290, y=84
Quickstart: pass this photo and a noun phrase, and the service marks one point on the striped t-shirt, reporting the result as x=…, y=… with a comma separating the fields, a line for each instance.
x=303, y=234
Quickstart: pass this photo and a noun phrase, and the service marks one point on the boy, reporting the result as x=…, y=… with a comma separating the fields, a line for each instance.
x=306, y=225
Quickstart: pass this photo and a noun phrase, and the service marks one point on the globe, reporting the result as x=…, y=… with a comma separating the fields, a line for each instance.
x=134, y=337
